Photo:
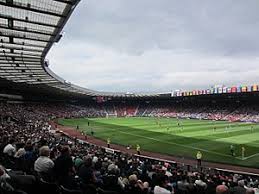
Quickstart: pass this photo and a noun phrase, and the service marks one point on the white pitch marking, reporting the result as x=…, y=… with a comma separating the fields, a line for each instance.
x=251, y=156
x=185, y=146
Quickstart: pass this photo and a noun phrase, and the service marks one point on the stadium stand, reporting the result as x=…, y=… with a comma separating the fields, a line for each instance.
x=35, y=158
x=232, y=112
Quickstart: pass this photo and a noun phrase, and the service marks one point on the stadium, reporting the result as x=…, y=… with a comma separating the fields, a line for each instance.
x=58, y=137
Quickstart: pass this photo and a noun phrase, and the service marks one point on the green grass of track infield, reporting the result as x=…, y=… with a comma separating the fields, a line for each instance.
x=163, y=135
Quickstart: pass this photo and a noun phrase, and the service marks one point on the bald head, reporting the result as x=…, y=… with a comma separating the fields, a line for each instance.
x=222, y=189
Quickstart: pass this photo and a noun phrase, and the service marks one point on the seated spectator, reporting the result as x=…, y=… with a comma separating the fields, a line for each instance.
x=85, y=171
x=183, y=184
x=136, y=186
x=99, y=171
x=43, y=164
x=64, y=168
x=222, y=189
x=4, y=185
x=239, y=189
x=111, y=178
x=20, y=153
x=10, y=148
x=162, y=186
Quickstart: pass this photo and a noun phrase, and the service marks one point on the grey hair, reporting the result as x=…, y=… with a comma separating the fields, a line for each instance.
x=44, y=151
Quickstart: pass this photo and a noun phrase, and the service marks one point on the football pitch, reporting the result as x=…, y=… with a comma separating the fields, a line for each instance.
x=183, y=137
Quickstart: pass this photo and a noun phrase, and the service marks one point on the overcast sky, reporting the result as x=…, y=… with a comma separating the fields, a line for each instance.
x=159, y=45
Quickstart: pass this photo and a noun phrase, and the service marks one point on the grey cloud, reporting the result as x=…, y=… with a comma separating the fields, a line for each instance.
x=209, y=26
x=152, y=45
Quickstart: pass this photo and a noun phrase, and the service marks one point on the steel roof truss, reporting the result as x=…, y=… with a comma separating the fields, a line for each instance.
x=29, y=8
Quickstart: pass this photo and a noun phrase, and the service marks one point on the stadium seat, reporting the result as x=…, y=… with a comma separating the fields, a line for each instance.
x=182, y=191
x=101, y=191
x=25, y=183
x=64, y=190
x=47, y=187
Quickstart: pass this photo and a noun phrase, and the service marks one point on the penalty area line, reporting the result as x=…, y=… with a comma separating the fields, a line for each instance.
x=248, y=157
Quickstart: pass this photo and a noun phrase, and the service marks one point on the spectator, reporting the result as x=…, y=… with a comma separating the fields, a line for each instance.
x=136, y=186
x=162, y=186
x=64, y=168
x=44, y=164
x=86, y=172
x=10, y=148
x=239, y=189
x=222, y=189
x=28, y=125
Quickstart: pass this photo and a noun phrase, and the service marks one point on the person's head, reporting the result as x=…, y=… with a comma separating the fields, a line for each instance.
x=65, y=151
x=44, y=151
x=222, y=189
x=95, y=159
x=146, y=185
x=20, y=153
x=28, y=142
x=250, y=191
x=241, y=183
x=88, y=161
x=133, y=179
x=113, y=169
x=162, y=180
x=11, y=141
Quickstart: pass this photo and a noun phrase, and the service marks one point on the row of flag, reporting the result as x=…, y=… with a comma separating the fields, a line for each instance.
x=217, y=90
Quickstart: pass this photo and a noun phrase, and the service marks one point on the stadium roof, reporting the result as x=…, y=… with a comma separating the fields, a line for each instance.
x=28, y=29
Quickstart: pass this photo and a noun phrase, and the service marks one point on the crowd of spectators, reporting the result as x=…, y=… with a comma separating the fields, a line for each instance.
x=249, y=113
x=35, y=158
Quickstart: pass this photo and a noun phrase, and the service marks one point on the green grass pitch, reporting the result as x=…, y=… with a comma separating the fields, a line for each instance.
x=163, y=135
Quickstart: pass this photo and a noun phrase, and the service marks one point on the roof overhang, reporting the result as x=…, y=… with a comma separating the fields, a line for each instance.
x=28, y=29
